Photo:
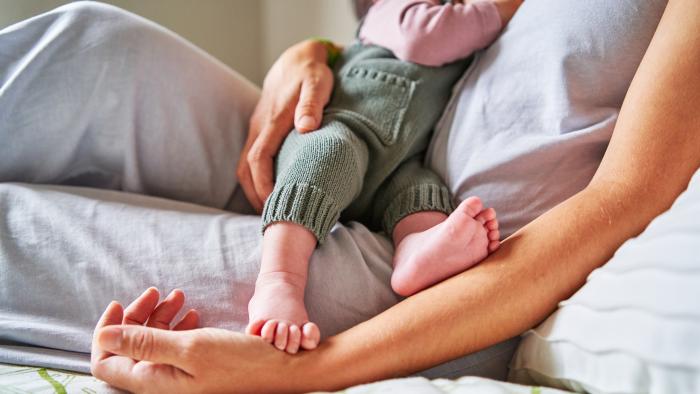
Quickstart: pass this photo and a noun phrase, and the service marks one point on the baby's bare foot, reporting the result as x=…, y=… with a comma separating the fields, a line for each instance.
x=277, y=313
x=465, y=238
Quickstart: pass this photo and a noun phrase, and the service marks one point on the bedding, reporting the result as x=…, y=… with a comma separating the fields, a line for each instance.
x=633, y=327
x=464, y=385
x=17, y=380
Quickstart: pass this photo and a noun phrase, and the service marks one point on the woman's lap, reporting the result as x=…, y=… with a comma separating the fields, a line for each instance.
x=67, y=251
x=93, y=96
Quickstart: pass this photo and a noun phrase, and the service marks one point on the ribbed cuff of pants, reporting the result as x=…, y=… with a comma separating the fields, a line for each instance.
x=417, y=198
x=303, y=204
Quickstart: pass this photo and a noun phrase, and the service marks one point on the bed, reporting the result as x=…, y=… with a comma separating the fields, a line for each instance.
x=18, y=379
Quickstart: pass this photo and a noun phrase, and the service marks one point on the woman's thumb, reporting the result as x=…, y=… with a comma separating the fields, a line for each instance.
x=313, y=96
x=142, y=343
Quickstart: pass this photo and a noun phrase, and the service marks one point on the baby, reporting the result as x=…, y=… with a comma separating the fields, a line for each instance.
x=365, y=162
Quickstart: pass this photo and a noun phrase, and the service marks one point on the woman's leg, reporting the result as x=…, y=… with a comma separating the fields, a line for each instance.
x=92, y=95
x=318, y=176
x=66, y=252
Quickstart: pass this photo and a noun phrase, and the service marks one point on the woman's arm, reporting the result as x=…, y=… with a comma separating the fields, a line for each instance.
x=653, y=153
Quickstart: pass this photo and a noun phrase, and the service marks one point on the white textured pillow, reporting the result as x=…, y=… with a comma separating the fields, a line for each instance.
x=635, y=326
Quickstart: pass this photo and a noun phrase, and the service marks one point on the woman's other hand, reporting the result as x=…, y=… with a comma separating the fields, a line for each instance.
x=137, y=350
x=145, y=311
x=295, y=90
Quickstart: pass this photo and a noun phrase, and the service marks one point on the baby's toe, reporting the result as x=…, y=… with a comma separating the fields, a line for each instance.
x=268, y=331
x=493, y=246
x=281, y=335
x=486, y=215
x=254, y=327
x=471, y=206
x=494, y=235
x=294, y=339
x=492, y=224
x=310, y=336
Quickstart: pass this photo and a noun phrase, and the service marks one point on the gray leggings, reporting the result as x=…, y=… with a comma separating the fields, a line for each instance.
x=118, y=148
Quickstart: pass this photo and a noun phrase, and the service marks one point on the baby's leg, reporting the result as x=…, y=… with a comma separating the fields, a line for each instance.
x=277, y=311
x=431, y=241
x=431, y=246
x=319, y=174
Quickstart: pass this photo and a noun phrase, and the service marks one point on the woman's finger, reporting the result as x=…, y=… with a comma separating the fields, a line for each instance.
x=245, y=178
x=189, y=322
x=112, y=315
x=117, y=371
x=261, y=161
x=315, y=93
x=267, y=145
x=246, y=181
x=165, y=312
x=141, y=308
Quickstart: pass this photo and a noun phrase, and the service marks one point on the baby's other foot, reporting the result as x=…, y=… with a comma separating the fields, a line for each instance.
x=465, y=238
x=277, y=313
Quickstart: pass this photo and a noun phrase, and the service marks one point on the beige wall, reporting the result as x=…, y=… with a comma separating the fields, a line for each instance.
x=288, y=21
x=248, y=35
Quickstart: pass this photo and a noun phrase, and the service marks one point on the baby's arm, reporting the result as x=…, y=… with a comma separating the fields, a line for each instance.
x=429, y=33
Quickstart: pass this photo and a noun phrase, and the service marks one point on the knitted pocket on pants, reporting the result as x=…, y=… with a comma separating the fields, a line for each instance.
x=378, y=99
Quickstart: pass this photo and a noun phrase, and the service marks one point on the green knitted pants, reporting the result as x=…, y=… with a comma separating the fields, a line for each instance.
x=365, y=162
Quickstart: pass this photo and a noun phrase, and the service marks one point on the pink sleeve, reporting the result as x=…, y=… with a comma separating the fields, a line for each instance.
x=429, y=33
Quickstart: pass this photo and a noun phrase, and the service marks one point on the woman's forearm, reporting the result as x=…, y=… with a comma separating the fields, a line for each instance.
x=653, y=153
x=513, y=290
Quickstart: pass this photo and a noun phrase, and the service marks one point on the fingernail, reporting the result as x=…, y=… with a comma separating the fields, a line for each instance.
x=307, y=122
x=111, y=338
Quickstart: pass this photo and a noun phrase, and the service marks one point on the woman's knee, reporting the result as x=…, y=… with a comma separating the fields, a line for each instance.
x=91, y=13
x=90, y=24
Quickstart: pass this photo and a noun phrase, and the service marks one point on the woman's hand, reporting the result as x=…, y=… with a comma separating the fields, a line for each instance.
x=135, y=350
x=295, y=90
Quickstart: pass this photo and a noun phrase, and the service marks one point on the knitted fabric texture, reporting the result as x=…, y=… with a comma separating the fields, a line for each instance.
x=365, y=161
